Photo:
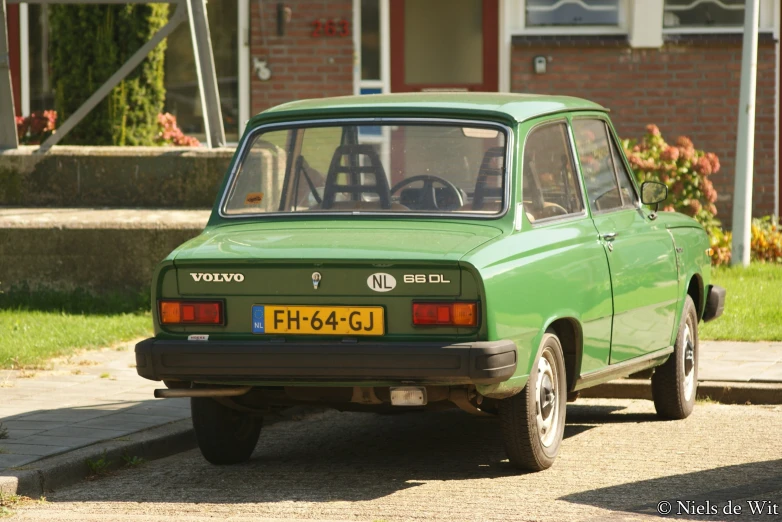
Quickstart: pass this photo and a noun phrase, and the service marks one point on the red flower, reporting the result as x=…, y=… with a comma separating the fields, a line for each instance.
x=703, y=166
x=708, y=190
x=715, y=162
x=685, y=142
x=653, y=130
x=694, y=206
x=687, y=154
x=670, y=154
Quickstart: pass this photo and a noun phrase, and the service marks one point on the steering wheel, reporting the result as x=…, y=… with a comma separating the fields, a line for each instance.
x=429, y=199
x=553, y=209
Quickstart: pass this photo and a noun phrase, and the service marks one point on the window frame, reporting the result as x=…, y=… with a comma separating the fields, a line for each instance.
x=576, y=172
x=249, y=138
x=519, y=23
x=769, y=13
x=613, y=139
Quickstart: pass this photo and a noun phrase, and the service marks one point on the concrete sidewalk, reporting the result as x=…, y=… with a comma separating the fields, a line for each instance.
x=91, y=397
x=97, y=398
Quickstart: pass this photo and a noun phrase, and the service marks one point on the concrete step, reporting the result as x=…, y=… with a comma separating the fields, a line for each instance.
x=148, y=177
x=94, y=249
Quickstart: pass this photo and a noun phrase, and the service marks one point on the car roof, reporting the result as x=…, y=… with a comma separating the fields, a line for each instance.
x=518, y=107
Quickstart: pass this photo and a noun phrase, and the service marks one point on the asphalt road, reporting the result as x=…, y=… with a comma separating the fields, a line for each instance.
x=618, y=462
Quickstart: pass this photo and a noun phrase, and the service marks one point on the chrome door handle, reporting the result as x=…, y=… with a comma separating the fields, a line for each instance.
x=610, y=236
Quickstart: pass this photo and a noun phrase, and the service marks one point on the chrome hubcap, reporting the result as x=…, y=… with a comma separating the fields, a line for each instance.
x=689, y=363
x=547, y=401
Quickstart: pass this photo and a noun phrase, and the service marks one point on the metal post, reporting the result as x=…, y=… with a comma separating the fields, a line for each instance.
x=745, y=141
x=105, y=89
x=8, y=137
x=205, y=69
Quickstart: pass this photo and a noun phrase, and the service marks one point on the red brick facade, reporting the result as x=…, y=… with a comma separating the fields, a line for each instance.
x=302, y=65
x=686, y=88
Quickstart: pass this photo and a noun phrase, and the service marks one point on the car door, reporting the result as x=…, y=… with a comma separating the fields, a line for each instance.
x=640, y=250
x=567, y=273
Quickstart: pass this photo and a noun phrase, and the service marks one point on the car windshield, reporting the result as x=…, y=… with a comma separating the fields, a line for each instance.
x=405, y=167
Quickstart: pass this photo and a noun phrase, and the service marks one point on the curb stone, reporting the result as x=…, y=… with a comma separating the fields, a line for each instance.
x=52, y=473
x=41, y=476
x=722, y=392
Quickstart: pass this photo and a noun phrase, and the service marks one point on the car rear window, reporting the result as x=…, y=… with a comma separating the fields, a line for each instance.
x=400, y=167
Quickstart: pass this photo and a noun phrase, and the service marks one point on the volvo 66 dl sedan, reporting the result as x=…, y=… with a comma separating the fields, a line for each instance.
x=489, y=252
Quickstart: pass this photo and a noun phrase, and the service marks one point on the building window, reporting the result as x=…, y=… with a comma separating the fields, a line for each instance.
x=712, y=15
x=548, y=13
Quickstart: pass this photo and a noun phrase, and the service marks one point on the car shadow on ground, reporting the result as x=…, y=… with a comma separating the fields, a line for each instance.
x=334, y=456
x=703, y=495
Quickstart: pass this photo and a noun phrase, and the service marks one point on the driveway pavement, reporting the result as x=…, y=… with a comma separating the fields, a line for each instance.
x=617, y=462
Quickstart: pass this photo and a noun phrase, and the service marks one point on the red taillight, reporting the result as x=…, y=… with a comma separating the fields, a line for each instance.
x=445, y=314
x=191, y=312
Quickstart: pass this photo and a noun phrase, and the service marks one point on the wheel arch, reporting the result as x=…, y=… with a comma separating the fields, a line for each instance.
x=696, y=291
x=569, y=332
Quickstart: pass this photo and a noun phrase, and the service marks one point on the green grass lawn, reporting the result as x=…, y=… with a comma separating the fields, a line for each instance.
x=37, y=326
x=753, y=305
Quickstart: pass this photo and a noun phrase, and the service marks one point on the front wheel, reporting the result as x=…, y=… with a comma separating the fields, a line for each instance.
x=224, y=435
x=533, y=421
x=675, y=383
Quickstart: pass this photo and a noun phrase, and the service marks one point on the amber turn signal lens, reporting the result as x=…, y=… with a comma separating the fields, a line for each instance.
x=191, y=312
x=445, y=314
x=464, y=314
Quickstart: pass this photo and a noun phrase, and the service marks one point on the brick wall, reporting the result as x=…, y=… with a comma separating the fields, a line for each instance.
x=302, y=66
x=688, y=87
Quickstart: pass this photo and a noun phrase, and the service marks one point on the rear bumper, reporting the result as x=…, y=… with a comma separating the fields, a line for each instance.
x=715, y=303
x=468, y=363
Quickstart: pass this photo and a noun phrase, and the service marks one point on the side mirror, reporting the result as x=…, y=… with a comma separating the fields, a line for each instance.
x=653, y=193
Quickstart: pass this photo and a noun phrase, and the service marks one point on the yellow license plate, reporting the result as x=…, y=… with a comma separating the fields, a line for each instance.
x=318, y=320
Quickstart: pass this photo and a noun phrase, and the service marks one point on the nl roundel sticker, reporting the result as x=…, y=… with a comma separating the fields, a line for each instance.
x=381, y=282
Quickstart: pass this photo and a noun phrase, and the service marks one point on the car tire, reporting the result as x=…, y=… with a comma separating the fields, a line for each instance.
x=224, y=435
x=533, y=421
x=675, y=383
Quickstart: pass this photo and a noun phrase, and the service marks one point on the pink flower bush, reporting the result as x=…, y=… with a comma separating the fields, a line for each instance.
x=683, y=168
x=170, y=133
x=35, y=128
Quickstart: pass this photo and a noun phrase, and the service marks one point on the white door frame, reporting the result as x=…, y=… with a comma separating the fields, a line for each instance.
x=243, y=53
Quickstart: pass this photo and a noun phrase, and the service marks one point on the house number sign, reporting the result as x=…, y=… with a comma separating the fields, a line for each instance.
x=330, y=27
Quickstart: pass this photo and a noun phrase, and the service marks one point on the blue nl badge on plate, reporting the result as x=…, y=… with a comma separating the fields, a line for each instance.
x=258, y=321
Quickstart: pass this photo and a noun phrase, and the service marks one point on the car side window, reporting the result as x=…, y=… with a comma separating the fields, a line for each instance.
x=629, y=197
x=549, y=184
x=597, y=165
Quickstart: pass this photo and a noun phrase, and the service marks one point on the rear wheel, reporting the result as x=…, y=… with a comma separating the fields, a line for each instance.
x=533, y=421
x=224, y=435
x=675, y=383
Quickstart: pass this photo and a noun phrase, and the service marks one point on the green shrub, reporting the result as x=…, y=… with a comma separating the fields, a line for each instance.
x=89, y=43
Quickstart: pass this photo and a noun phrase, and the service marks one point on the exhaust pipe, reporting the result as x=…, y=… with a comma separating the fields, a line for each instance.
x=171, y=393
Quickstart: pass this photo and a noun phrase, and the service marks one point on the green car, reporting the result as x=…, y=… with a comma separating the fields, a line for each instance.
x=482, y=251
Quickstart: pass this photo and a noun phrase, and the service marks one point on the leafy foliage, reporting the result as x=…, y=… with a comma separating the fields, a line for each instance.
x=89, y=43
x=99, y=466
